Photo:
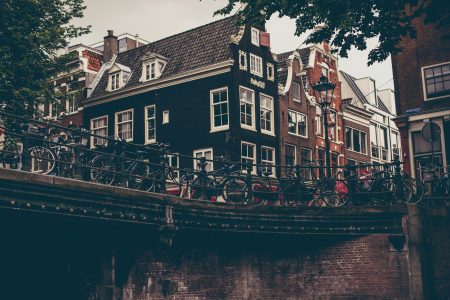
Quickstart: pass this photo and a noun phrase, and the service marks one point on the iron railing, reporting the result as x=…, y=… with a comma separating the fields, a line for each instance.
x=46, y=148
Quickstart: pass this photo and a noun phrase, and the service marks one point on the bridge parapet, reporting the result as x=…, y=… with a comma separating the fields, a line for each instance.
x=50, y=195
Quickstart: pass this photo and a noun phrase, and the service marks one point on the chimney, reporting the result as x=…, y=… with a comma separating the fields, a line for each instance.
x=110, y=46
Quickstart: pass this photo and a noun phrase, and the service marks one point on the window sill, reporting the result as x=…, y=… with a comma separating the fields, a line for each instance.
x=302, y=136
x=248, y=128
x=150, y=142
x=353, y=151
x=436, y=98
x=218, y=129
x=256, y=74
x=268, y=132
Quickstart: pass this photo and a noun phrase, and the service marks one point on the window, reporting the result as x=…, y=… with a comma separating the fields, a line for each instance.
x=296, y=91
x=268, y=160
x=395, y=145
x=332, y=125
x=165, y=117
x=255, y=36
x=334, y=162
x=355, y=140
x=321, y=160
x=124, y=125
x=305, y=155
x=437, y=81
x=256, y=65
x=290, y=155
x=206, y=153
x=150, y=71
x=247, y=100
x=423, y=155
x=248, y=155
x=242, y=60
x=266, y=114
x=297, y=123
x=115, y=81
x=351, y=162
x=150, y=124
x=219, y=109
x=99, y=126
x=174, y=162
x=72, y=103
x=270, y=72
x=319, y=121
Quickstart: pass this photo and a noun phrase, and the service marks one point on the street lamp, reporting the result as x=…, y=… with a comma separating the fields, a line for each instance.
x=324, y=94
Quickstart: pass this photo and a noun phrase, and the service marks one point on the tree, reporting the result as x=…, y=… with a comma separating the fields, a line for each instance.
x=347, y=23
x=31, y=33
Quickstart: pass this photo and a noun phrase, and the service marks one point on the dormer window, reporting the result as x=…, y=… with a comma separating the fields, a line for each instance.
x=118, y=77
x=153, y=67
x=255, y=36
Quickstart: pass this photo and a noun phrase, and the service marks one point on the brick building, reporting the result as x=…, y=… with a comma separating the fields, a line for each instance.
x=422, y=83
x=382, y=143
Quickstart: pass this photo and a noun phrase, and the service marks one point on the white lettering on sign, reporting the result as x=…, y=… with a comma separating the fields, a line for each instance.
x=260, y=84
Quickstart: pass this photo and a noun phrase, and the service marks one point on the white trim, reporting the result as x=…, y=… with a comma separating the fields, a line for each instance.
x=245, y=126
x=257, y=41
x=203, y=150
x=345, y=139
x=306, y=123
x=166, y=117
x=272, y=115
x=254, y=157
x=271, y=67
x=204, y=72
x=273, y=156
x=116, y=126
x=243, y=54
x=422, y=73
x=146, y=118
x=295, y=153
x=92, y=146
x=299, y=92
x=258, y=64
x=211, y=110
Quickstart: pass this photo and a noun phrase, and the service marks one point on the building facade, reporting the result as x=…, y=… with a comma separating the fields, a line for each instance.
x=209, y=91
x=382, y=144
x=422, y=82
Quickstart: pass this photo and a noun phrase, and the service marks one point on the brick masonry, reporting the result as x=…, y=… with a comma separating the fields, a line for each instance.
x=315, y=268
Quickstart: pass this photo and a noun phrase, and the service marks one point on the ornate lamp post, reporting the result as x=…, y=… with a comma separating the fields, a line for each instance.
x=324, y=90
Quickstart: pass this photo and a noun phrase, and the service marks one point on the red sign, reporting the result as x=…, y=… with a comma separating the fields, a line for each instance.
x=264, y=39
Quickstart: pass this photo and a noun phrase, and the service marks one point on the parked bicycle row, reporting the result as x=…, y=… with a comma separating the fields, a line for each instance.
x=50, y=149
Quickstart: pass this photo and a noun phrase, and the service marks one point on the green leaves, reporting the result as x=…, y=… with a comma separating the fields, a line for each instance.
x=31, y=33
x=349, y=23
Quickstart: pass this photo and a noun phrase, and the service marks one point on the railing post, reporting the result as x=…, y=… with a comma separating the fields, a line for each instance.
x=122, y=165
x=298, y=182
x=162, y=166
x=202, y=174
x=77, y=153
x=249, y=168
x=26, y=159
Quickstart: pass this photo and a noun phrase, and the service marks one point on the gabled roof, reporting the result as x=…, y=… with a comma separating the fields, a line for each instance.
x=282, y=70
x=351, y=82
x=382, y=106
x=189, y=50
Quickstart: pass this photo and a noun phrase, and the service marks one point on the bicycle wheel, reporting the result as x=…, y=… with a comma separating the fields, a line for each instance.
x=42, y=160
x=335, y=192
x=103, y=170
x=141, y=178
x=234, y=190
x=64, y=166
x=417, y=191
x=10, y=156
x=262, y=192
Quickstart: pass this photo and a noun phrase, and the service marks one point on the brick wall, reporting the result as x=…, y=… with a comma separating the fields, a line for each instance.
x=339, y=268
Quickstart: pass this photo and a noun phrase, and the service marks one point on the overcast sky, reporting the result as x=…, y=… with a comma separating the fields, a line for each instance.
x=156, y=19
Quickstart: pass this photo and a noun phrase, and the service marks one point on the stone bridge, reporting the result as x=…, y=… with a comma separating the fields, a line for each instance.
x=69, y=239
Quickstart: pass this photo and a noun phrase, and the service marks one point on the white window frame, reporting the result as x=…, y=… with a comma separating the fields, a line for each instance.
x=212, y=104
x=150, y=71
x=147, y=74
x=256, y=65
x=242, y=60
x=296, y=127
x=176, y=169
x=272, y=115
x=147, y=140
x=270, y=70
x=255, y=36
x=294, y=86
x=114, y=79
x=94, y=129
x=424, y=87
x=166, y=117
x=244, y=167
x=319, y=121
x=203, y=151
x=245, y=126
x=116, y=125
x=351, y=140
x=73, y=94
x=263, y=161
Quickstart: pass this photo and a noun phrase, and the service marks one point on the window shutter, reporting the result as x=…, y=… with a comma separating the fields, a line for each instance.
x=264, y=39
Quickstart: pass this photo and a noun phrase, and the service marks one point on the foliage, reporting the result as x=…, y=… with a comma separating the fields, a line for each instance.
x=348, y=23
x=31, y=33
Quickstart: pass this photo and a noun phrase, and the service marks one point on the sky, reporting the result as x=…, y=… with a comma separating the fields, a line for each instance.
x=156, y=19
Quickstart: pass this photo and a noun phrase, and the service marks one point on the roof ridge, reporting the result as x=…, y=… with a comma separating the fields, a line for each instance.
x=141, y=48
